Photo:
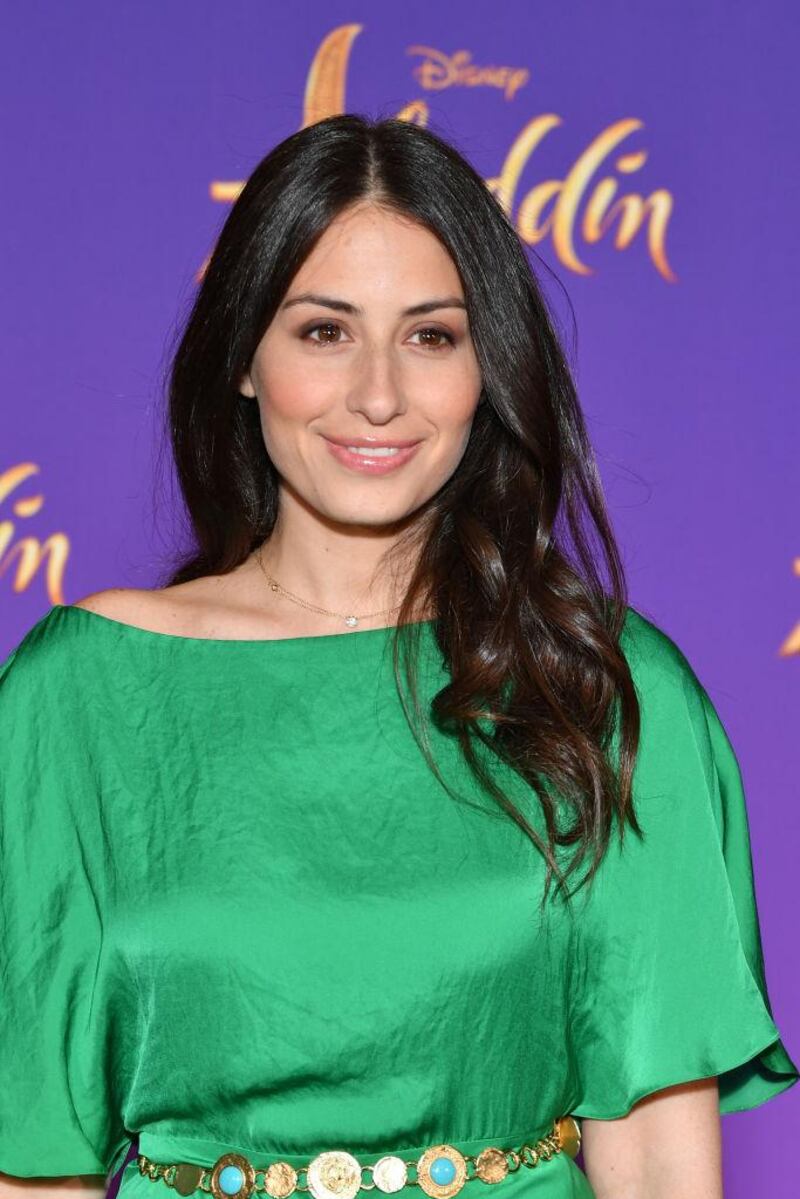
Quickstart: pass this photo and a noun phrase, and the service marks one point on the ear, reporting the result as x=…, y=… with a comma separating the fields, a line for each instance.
x=246, y=386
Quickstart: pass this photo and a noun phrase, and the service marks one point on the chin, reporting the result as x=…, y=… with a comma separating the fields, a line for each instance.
x=366, y=517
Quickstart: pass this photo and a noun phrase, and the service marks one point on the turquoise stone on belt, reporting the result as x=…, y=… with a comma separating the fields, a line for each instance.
x=233, y=1177
x=231, y=1180
x=442, y=1171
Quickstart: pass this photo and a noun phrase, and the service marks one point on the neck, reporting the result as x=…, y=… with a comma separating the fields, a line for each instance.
x=345, y=569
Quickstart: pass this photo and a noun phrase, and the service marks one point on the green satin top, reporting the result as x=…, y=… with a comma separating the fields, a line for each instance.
x=240, y=913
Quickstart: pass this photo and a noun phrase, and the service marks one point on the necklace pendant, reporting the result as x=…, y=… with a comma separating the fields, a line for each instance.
x=352, y=621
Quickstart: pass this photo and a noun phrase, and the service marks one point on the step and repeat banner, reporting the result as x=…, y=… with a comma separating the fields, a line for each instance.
x=644, y=154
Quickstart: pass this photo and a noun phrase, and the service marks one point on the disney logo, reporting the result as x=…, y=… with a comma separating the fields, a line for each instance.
x=457, y=70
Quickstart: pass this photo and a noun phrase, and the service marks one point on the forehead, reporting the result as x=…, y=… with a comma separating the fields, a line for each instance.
x=378, y=251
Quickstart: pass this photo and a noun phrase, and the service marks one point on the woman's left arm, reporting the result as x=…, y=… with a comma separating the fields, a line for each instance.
x=669, y=1146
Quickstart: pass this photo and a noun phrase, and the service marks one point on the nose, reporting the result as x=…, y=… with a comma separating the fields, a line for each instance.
x=377, y=390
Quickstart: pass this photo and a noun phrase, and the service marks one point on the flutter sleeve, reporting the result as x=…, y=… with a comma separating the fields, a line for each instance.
x=56, y=1113
x=669, y=972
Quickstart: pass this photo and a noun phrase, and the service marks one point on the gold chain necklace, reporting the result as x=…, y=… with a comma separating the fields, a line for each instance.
x=350, y=620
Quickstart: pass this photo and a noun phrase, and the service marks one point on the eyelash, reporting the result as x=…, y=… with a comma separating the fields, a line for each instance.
x=333, y=325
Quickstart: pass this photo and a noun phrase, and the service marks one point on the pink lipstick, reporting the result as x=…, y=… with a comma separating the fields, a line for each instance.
x=371, y=457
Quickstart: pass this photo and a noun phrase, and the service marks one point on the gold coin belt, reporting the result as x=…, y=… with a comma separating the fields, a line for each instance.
x=440, y=1171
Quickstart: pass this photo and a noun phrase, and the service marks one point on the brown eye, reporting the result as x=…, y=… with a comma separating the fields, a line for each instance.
x=328, y=326
x=449, y=339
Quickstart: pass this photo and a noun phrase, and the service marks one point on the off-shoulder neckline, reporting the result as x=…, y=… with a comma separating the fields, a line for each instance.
x=114, y=625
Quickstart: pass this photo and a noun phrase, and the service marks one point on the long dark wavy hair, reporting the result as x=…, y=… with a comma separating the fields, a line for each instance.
x=505, y=552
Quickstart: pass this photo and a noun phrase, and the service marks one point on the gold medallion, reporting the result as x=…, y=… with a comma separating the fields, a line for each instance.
x=569, y=1135
x=187, y=1178
x=390, y=1174
x=280, y=1179
x=334, y=1175
x=233, y=1177
x=441, y=1171
x=491, y=1164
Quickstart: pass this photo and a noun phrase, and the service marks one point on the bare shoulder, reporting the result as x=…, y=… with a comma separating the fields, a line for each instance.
x=212, y=606
x=174, y=610
x=119, y=603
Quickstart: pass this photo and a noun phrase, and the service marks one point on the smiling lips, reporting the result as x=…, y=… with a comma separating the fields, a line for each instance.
x=369, y=456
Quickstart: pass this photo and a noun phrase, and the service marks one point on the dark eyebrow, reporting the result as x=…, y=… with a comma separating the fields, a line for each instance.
x=309, y=297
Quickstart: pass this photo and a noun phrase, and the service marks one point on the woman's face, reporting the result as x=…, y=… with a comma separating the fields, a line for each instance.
x=345, y=361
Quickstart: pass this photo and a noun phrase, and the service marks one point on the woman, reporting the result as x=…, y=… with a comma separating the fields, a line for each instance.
x=313, y=875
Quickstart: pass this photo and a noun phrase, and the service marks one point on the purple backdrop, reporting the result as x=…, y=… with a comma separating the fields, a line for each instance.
x=132, y=123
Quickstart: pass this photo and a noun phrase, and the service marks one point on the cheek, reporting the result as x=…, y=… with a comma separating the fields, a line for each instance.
x=451, y=406
x=288, y=403
x=286, y=395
